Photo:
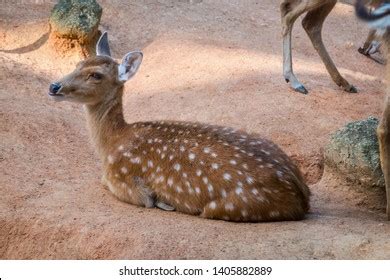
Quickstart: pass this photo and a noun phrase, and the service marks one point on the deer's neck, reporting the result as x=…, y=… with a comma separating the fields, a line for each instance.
x=106, y=122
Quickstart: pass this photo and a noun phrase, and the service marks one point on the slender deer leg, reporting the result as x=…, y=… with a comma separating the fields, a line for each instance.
x=369, y=47
x=287, y=65
x=289, y=16
x=384, y=149
x=312, y=23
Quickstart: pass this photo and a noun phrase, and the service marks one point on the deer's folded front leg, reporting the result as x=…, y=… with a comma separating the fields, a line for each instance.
x=133, y=190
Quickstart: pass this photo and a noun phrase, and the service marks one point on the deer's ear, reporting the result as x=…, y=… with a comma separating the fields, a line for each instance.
x=129, y=66
x=102, y=46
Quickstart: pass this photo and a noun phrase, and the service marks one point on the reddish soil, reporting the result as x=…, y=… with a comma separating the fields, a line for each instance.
x=209, y=61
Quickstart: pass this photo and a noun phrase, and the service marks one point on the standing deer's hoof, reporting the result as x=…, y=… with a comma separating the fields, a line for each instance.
x=301, y=89
x=351, y=89
x=296, y=85
x=164, y=206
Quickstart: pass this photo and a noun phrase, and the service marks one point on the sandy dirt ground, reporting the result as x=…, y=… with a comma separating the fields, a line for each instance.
x=215, y=61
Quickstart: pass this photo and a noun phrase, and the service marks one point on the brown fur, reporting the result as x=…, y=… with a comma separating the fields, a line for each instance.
x=383, y=131
x=211, y=171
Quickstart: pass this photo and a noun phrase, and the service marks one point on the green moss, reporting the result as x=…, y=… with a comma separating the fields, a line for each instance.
x=76, y=19
x=354, y=151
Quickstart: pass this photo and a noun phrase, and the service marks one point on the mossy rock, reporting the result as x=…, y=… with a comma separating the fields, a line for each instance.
x=353, y=152
x=76, y=20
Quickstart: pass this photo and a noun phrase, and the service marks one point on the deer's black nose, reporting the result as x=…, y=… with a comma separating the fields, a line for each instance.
x=55, y=87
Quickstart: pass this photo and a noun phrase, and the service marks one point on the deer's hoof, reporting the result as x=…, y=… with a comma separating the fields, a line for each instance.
x=351, y=89
x=301, y=89
x=164, y=206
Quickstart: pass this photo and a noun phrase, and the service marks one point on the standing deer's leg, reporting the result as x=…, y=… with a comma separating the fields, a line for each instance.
x=370, y=46
x=312, y=23
x=384, y=149
x=289, y=16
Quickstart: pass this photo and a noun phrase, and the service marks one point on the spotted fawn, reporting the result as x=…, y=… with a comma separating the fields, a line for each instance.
x=207, y=170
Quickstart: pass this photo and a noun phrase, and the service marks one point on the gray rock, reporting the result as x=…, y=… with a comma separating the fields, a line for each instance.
x=76, y=20
x=353, y=152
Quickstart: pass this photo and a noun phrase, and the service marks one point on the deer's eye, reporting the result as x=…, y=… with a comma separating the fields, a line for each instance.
x=96, y=76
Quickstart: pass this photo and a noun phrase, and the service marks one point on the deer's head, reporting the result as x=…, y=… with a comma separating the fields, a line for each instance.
x=94, y=80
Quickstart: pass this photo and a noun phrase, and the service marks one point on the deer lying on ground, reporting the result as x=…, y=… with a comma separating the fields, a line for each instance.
x=381, y=21
x=316, y=13
x=211, y=171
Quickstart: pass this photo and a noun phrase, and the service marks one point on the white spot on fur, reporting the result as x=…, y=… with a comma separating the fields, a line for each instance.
x=198, y=172
x=150, y=163
x=255, y=191
x=238, y=191
x=215, y=165
x=177, y=166
x=274, y=214
x=121, y=148
x=250, y=180
x=110, y=159
x=191, y=156
x=227, y=176
x=229, y=206
x=136, y=160
x=124, y=170
x=206, y=150
x=160, y=179
x=205, y=180
x=127, y=154
x=233, y=162
x=213, y=205
x=170, y=182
